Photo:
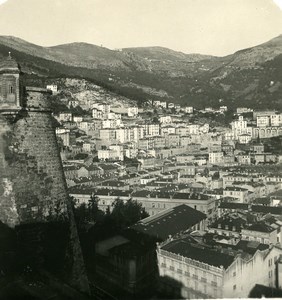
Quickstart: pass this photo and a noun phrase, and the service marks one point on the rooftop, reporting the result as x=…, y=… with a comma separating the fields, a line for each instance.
x=200, y=253
x=170, y=221
x=9, y=64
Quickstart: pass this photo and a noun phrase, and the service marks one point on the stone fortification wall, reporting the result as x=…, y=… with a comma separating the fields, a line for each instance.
x=32, y=175
x=33, y=189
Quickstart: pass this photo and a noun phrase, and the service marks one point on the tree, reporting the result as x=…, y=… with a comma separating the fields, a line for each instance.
x=126, y=214
x=118, y=212
x=94, y=213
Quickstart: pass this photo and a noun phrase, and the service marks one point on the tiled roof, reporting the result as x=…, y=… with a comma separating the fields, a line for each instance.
x=170, y=221
x=275, y=210
x=260, y=227
x=230, y=205
x=202, y=254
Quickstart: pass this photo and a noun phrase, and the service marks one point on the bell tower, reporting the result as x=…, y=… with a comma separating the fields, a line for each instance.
x=10, y=85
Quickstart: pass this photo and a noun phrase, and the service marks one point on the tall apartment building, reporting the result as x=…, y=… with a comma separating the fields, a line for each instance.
x=196, y=270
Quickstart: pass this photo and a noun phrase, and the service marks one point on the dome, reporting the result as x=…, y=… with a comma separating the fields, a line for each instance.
x=9, y=65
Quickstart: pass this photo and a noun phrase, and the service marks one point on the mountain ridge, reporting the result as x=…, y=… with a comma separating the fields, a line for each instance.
x=144, y=73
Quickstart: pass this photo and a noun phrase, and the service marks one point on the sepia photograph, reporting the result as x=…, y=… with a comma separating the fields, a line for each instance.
x=140, y=149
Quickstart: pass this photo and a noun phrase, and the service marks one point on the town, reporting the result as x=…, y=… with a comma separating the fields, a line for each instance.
x=140, y=149
x=212, y=192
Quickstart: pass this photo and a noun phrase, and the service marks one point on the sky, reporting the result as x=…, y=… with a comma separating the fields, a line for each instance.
x=215, y=27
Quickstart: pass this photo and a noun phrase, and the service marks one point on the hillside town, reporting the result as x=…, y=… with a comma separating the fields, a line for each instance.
x=212, y=190
x=140, y=149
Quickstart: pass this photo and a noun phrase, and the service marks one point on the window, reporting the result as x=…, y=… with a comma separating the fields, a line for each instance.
x=234, y=274
x=11, y=90
x=270, y=262
x=234, y=287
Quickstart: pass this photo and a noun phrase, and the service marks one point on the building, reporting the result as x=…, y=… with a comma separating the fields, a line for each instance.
x=64, y=135
x=165, y=119
x=152, y=129
x=127, y=261
x=216, y=158
x=263, y=121
x=114, y=152
x=236, y=192
x=169, y=222
x=104, y=107
x=65, y=117
x=53, y=88
x=188, y=109
x=242, y=110
x=191, y=269
x=244, y=138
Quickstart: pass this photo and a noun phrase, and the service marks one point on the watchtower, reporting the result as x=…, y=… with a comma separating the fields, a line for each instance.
x=11, y=85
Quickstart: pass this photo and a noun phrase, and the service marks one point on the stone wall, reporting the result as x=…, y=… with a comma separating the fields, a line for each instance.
x=32, y=184
x=32, y=165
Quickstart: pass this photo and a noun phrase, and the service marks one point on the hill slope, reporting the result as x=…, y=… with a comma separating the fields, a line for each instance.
x=248, y=77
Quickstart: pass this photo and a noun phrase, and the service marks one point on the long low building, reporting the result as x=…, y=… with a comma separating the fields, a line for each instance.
x=153, y=202
x=172, y=221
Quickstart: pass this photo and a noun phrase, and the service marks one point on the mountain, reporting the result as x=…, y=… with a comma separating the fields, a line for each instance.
x=248, y=77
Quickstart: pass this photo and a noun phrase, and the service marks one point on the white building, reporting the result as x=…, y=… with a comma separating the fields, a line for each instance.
x=223, y=108
x=114, y=152
x=53, y=88
x=240, y=127
x=188, y=109
x=152, y=129
x=64, y=134
x=216, y=157
x=165, y=119
x=194, y=271
x=111, y=123
x=65, y=117
x=104, y=107
x=97, y=114
x=77, y=119
x=276, y=120
x=263, y=121
x=244, y=138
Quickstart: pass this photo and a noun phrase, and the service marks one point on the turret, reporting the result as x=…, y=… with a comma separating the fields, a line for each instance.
x=11, y=87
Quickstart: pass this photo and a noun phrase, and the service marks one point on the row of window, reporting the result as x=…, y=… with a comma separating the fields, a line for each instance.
x=198, y=275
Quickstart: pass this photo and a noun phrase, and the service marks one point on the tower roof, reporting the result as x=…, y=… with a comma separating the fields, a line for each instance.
x=8, y=64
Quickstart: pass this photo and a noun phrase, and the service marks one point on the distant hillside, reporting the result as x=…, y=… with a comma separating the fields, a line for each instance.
x=248, y=77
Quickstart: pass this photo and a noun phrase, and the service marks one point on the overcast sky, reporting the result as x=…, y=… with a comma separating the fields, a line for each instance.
x=217, y=27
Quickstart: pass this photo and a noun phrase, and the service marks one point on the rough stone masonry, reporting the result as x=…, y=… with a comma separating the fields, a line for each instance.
x=32, y=184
